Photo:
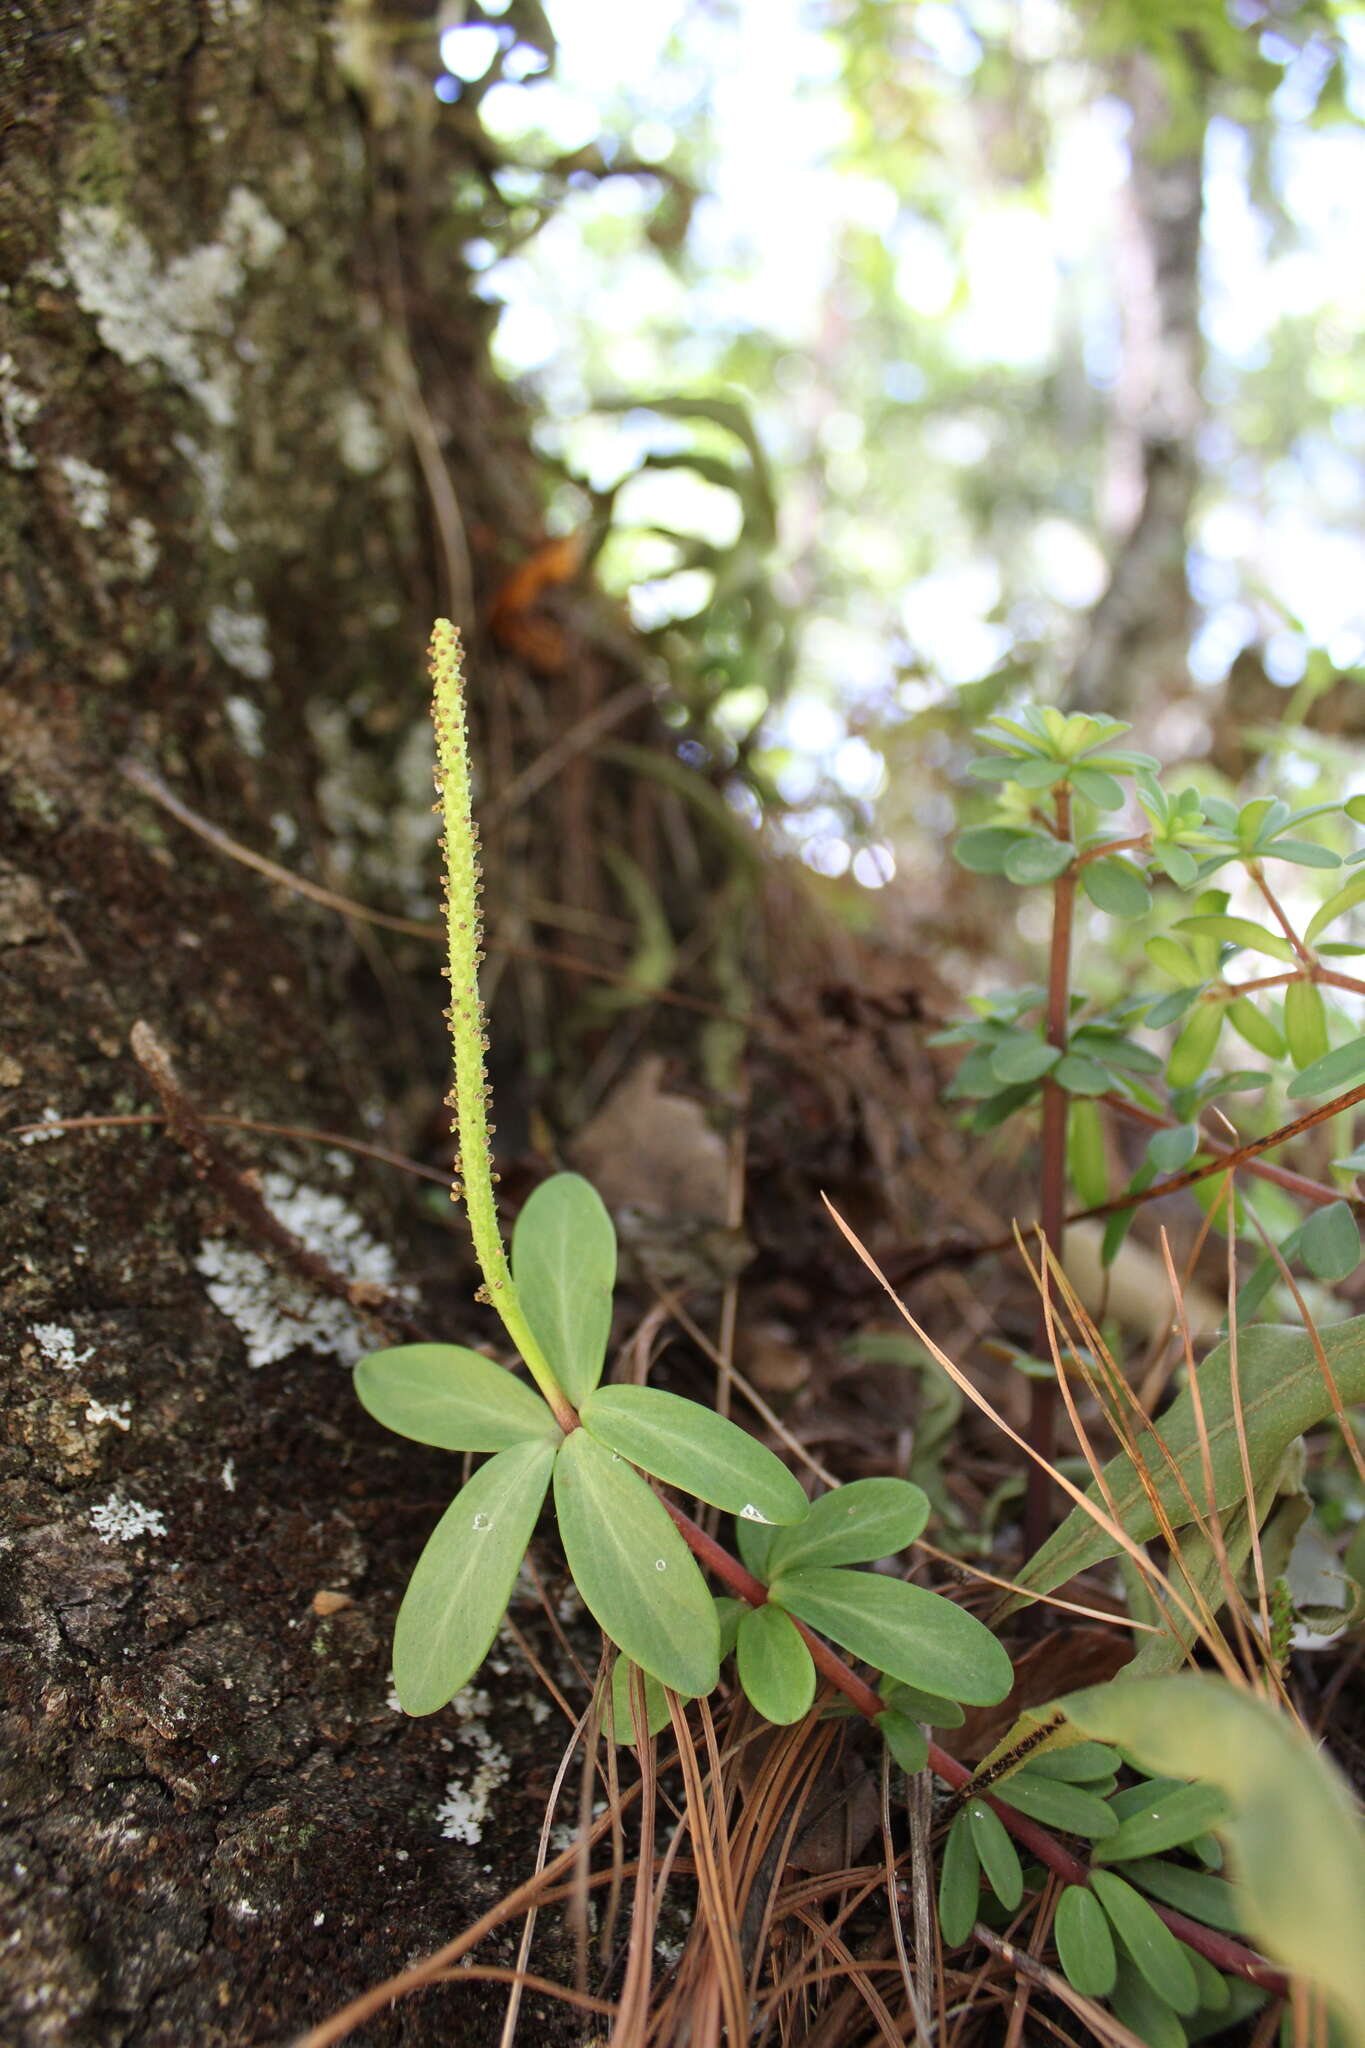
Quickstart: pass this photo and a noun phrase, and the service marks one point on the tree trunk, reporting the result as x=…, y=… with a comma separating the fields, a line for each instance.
x=242, y=383
x=1135, y=655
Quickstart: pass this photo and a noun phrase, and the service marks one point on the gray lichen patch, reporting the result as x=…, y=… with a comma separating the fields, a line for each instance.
x=19, y=408
x=275, y=1311
x=177, y=313
x=242, y=638
x=89, y=490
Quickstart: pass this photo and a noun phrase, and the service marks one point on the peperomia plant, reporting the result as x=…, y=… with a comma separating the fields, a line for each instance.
x=592, y=1443
x=1061, y=778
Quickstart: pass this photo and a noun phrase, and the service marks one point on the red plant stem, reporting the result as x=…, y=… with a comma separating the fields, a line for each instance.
x=1139, y=839
x=1042, y=1421
x=1277, y=911
x=1220, y=1949
x=1335, y=980
x=1283, y=1176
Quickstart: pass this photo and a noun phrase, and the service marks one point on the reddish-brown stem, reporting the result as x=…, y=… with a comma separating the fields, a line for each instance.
x=1277, y=912
x=1283, y=1176
x=1221, y=1951
x=1335, y=980
x=1042, y=1422
x=1139, y=840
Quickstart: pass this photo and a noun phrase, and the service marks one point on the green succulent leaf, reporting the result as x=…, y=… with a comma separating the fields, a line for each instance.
x=1329, y=1242
x=854, y=1524
x=1116, y=887
x=1085, y=1946
x=1165, y=1820
x=909, y=1633
x=1177, y=862
x=775, y=1666
x=1142, y=2011
x=1081, y=1764
x=1239, y=931
x=1336, y=906
x=459, y=1590
x=1210, y=1899
x=983, y=850
x=1169, y=1150
x=1305, y=1022
x=1303, y=853
x=1173, y=1007
x=754, y=1540
x=959, y=1884
x=996, y=1854
x=692, y=1447
x=1082, y=1076
x=442, y=1394
x=635, y=1574
x=1150, y=1943
x=905, y=1739
x=1255, y=1027
x=1098, y=787
x=564, y=1271
x=1215, y=1991
x=1174, y=959
x=1294, y=1838
x=729, y=1614
x=921, y=1706
x=1194, y=1048
x=1059, y=1805
x=1023, y=1059
x=1087, y=1159
x=1334, y=1072
x=1038, y=858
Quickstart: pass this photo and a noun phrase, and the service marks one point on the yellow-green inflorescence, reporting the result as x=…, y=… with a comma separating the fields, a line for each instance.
x=469, y=1100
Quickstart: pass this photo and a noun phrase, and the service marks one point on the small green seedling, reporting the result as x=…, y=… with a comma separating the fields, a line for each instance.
x=592, y=1444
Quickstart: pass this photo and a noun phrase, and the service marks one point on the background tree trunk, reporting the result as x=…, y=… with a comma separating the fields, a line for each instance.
x=243, y=386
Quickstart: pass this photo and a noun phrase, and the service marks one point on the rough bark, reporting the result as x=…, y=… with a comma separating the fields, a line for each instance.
x=234, y=328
